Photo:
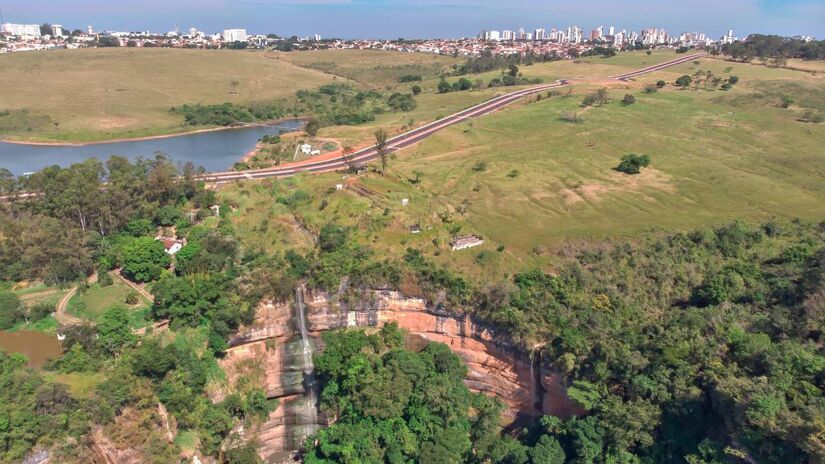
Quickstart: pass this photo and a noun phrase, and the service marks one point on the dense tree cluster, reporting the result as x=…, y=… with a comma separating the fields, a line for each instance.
x=228, y=114
x=775, y=49
x=633, y=163
x=488, y=61
x=64, y=234
x=700, y=346
x=394, y=405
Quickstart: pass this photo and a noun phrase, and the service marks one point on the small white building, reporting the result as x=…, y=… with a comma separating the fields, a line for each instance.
x=405, y=202
x=216, y=209
x=339, y=187
x=305, y=148
x=462, y=242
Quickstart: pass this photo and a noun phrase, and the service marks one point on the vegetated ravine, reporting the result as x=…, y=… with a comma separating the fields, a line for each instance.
x=284, y=336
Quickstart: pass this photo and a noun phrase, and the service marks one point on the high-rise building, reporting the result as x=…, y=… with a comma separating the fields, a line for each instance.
x=539, y=34
x=235, y=35
x=57, y=30
x=612, y=30
x=90, y=30
x=32, y=30
x=508, y=35
x=521, y=34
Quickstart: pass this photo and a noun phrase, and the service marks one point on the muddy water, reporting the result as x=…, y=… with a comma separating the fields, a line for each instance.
x=37, y=346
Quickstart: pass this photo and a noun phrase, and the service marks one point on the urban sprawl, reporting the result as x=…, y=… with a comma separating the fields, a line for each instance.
x=568, y=42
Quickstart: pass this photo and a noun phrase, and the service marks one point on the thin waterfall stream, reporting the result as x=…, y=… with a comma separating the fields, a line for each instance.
x=308, y=416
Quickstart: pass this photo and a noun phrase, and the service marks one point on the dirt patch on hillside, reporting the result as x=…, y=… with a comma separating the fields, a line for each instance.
x=113, y=123
x=618, y=182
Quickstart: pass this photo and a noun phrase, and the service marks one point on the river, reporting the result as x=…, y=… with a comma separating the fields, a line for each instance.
x=37, y=346
x=214, y=150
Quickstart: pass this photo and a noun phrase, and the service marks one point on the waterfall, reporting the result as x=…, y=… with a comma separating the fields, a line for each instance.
x=308, y=413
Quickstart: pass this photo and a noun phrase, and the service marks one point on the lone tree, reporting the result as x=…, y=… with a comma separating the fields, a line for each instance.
x=381, y=148
x=311, y=127
x=633, y=164
x=684, y=81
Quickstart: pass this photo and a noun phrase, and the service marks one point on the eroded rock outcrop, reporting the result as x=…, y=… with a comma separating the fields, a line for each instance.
x=495, y=366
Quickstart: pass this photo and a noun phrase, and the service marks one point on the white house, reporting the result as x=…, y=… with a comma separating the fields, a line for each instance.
x=172, y=245
x=405, y=201
x=306, y=148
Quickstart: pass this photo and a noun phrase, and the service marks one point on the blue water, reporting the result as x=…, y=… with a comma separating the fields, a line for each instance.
x=214, y=151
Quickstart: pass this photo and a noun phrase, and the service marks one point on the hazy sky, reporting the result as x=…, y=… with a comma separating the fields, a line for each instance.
x=424, y=18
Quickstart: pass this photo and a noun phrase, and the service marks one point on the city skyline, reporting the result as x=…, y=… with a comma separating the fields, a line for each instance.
x=423, y=18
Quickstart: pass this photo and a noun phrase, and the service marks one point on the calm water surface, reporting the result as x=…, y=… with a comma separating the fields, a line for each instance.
x=214, y=151
x=37, y=346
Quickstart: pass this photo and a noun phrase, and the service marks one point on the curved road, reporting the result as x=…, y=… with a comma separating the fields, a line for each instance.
x=404, y=140
x=416, y=135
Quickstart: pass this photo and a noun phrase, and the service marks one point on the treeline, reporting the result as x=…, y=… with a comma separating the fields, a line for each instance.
x=228, y=114
x=487, y=61
x=331, y=104
x=56, y=236
x=771, y=47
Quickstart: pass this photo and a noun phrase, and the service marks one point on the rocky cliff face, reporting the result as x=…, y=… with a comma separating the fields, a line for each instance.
x=494, y=366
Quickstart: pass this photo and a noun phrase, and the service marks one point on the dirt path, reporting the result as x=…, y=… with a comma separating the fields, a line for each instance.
x=135, y=287
x=60, y=313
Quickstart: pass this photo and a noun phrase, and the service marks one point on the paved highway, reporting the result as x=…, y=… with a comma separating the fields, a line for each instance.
x=416, y=135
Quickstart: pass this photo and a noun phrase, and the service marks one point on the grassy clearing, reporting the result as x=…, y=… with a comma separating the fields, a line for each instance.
x=98, y=94
x=525, y=179
x=81, y=385
x=374, y=68
x=92, y=303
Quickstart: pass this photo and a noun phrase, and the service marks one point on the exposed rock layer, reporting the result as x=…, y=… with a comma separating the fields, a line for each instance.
x=495, y=367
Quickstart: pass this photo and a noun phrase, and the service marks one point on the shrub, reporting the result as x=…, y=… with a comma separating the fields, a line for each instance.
x=104, y=279
x=444, y=86
x=40, y=311
x=632, y=163
x=660, y=84
x=11, y=310
x=401, y=102
x=569, y=116
x=628, y=99
x=131, y=298
x=684, y=81
x=651, y=89
x=480, y=166
x=410, y=78
x=416, y=90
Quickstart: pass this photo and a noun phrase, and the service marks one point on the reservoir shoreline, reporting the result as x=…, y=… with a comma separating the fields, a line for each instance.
x=273, y=123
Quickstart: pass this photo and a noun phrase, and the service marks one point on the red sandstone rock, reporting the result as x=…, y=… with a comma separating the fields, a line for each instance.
x=494, y=367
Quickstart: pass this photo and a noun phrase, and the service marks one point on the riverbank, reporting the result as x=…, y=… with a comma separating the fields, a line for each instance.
x=33, y=143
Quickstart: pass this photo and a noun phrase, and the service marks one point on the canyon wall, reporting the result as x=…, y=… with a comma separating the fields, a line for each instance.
x=495, y=367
